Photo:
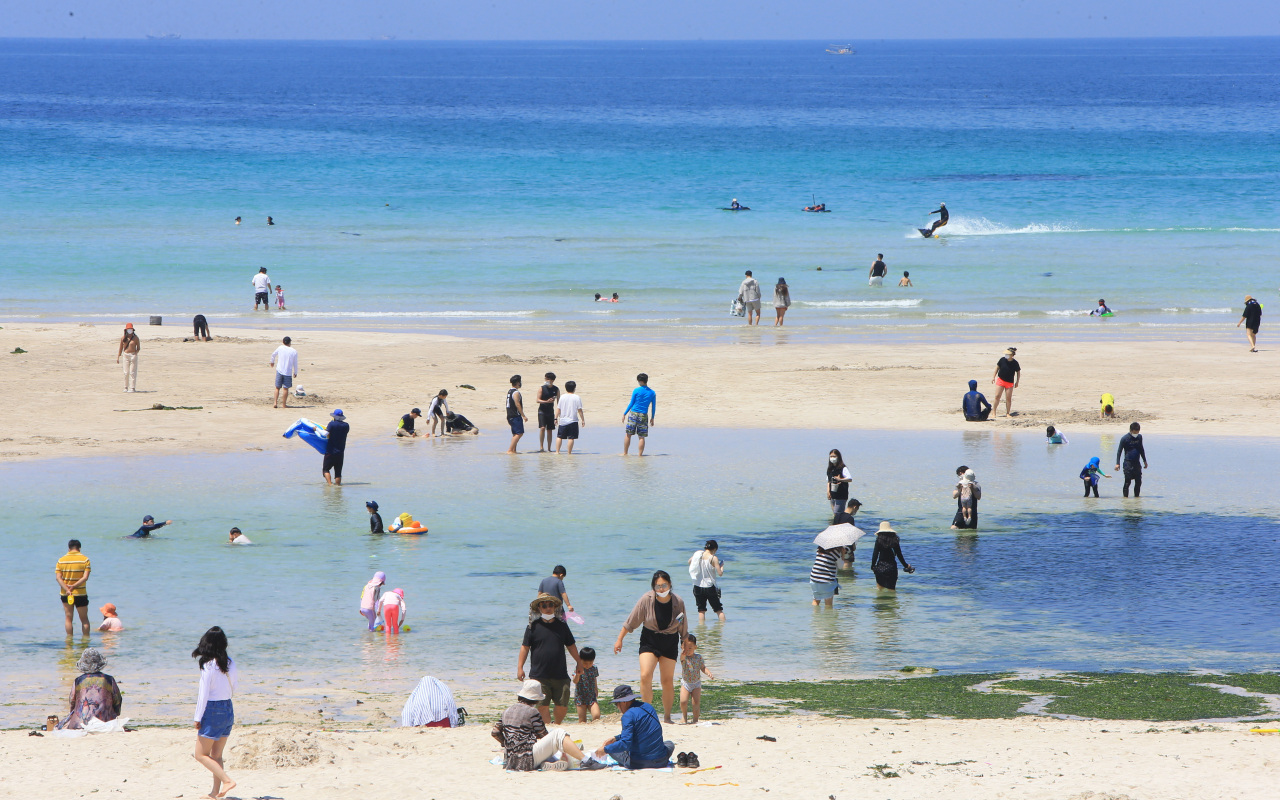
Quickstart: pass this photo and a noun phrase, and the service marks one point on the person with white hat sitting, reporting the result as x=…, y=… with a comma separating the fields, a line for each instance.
x=527, y=743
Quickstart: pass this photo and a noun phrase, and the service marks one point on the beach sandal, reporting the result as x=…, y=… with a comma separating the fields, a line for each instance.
x=766, y=738
x=692, y=762
x=554, y=766
x=682, y=760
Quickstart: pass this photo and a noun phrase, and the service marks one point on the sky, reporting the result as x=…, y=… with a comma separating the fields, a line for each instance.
x=836, y=21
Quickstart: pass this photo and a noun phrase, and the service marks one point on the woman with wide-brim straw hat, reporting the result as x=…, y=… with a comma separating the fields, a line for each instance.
x=882, y=557
x=660, y=612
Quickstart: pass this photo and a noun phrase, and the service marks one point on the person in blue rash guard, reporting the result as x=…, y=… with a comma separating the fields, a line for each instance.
x=149, y=524
x=638, y=417
x=976, y=407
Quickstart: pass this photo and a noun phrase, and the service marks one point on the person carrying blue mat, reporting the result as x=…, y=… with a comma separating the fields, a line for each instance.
x=309, y=432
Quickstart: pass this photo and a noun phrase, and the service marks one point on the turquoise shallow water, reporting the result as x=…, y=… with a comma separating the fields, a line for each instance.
x=495, y=188
x=1177, y=580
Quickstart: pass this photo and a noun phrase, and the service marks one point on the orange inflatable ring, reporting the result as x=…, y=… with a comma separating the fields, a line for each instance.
x=418, y=528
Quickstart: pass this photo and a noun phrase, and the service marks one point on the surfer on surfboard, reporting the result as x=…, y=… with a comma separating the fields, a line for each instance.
x=938, y=223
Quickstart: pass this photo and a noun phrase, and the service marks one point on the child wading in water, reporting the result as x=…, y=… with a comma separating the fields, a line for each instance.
x=586, y=694
x=1054, y=436
x=280, y=297
x=1090, y=475
x=692, y=666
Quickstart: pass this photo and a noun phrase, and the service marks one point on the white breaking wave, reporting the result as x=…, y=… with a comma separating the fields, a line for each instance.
x=860, y=303
x=402, y=314
x=1176, y=310
x=1070, y=312
x=972, y=314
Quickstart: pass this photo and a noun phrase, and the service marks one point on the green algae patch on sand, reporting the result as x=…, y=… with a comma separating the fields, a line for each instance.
x=1160, y=697
x=879, y=698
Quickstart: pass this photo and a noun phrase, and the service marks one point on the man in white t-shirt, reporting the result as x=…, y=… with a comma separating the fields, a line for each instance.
x=285, y=360
x=261, y=290
x=570, y=413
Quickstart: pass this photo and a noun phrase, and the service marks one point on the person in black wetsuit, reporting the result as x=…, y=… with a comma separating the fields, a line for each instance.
x=882, y=557
x=375, y=519
x=975, y=405
x=958, y=522
x=335, y=447
x=149, y=524
x=942, y=220
x=1128, y=455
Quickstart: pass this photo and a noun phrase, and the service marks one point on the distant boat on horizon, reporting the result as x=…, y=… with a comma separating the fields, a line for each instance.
x=841, y=50
x=164, y=36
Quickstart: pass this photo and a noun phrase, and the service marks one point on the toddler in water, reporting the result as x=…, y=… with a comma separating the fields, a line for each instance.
x=906, y=279
x=692, y=666
x=369, y=598
x=967, y=490
x=393, y=610
x=586, y=693
x=110, y=622
x=1054, y=436
x=1090, y=475
x=280, y=297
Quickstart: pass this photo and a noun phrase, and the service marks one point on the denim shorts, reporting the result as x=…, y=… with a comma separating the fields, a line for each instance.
x=218, y=718
x=823, y=591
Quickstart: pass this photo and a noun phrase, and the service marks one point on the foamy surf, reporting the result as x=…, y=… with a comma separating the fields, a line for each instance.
x=860, y=303
x=981, y=226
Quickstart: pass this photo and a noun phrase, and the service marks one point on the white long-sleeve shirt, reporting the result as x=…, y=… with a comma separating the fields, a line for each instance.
x=215, y=685
x=393, y=599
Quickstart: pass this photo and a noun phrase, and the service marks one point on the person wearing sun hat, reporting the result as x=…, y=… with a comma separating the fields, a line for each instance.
x=546, y=639
x=335, y=447
x=882, y=557
x=527, y=743
x=110, y=622
x=95, y=694
x=129, y=347
x=640, y=745
x=1252, y=320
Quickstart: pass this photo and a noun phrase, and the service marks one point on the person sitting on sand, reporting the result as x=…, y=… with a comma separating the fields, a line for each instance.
x=1054, y=436
x=1107, y=405
x=95, y=694
x=430, y=706
x=527, y=743
x=406, y=427
x=110, y=621
x=640, y=745
x=975, y=405
x=456, y=423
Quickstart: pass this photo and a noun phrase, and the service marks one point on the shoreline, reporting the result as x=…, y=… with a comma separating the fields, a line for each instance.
x=68, y=399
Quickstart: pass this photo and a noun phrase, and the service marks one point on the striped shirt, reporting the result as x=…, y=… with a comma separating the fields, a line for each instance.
x=824, y=567
x=71, y=568
x=431, y=701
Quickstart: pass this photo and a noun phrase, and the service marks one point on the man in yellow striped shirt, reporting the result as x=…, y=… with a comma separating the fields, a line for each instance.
x=72, y=572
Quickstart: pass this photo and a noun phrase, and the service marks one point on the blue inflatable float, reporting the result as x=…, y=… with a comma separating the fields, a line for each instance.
x=309, y=432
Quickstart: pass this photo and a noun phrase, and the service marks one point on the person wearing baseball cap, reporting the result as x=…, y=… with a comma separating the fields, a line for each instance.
x=375, y=519
x=406, y=423
x=335, y=447
x=149, y=524
x=129, y=347
x=640, y=745
x=527, y=743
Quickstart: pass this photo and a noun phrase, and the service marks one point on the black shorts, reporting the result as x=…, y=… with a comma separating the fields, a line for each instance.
x=260, y=297
x=664, y=645
x=333, y=461
x=707, y=594
x=569, y=431
x=546, y=418
x=80, y=602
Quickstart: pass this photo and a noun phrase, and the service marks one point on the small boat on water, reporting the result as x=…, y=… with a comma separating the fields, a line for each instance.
x=841, y=50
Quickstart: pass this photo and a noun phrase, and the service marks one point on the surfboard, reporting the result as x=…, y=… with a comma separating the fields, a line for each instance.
x=740, y=208
x=925, y=232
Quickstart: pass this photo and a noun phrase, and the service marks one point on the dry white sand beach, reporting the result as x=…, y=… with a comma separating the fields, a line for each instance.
x=812, y=758
x=64, y=395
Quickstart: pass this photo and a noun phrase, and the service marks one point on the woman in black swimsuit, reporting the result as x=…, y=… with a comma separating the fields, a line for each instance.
x=882, y=558
x=660, y=613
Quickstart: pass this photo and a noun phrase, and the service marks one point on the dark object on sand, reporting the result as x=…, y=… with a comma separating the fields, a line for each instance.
x=157, y=320
x=767, y=738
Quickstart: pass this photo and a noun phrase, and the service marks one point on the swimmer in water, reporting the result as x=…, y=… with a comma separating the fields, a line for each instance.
x=598, y=297
x=236, y=537
x=818, y=207
x=270, y=221
x=735, y=205
x=906, y=279
x=1101, y=310
x=615, y=298
x=942, y=220
x=237, y=220
x=369, y=598
x=149, y=524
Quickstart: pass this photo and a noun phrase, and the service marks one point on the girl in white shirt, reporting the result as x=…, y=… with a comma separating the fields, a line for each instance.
x=214, y=713
x=392, y=607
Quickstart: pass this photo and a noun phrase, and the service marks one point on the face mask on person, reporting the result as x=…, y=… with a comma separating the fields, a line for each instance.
x=663, y=592
x=833, y=459
x=548, y=617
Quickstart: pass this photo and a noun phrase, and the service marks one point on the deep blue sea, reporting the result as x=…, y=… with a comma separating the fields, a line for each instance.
x=497, y=187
